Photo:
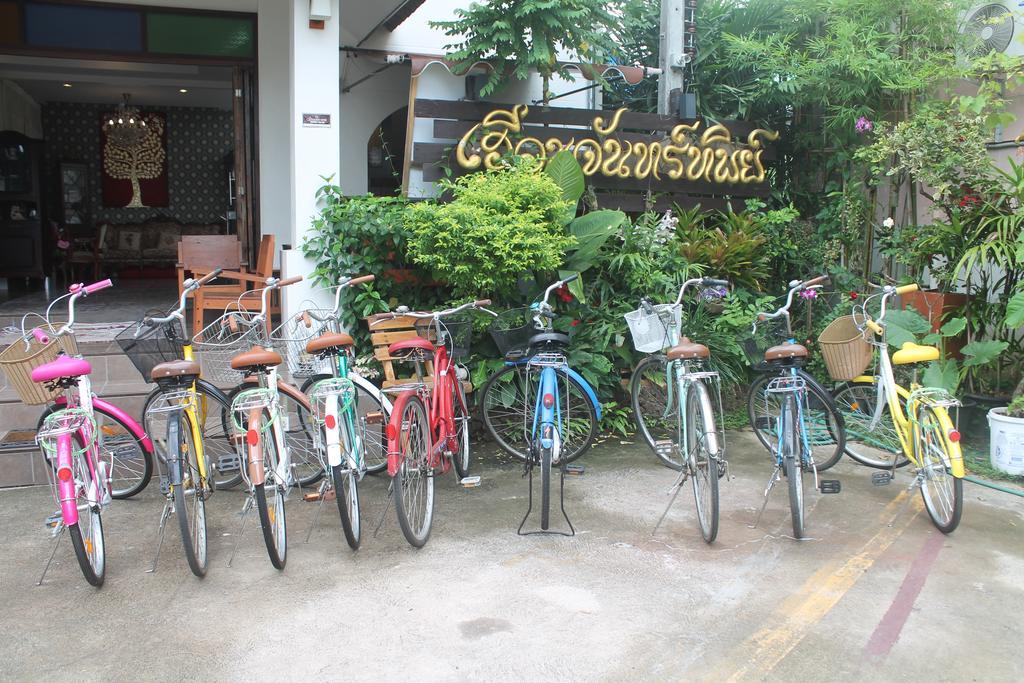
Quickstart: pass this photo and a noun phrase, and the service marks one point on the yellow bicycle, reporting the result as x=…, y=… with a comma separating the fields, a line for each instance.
x=162, y=352
x=888, y=426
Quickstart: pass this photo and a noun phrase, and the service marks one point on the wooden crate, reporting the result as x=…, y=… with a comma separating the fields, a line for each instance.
x=397, y=371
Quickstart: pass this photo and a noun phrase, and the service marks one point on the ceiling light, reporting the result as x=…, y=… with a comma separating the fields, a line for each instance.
x=182, y=89
x=67, y=85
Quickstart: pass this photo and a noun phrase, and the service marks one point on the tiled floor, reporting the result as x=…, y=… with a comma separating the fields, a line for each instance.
x=128, y=300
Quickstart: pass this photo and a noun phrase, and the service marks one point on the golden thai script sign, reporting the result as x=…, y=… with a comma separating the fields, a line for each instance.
x=686, y=153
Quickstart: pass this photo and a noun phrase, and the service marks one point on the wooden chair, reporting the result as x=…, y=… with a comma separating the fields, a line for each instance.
x=199, y=254
x=218, y=296
x=85, y=251
x=386, y=333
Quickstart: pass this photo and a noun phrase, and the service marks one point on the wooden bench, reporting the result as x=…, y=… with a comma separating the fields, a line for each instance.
x=386, y=333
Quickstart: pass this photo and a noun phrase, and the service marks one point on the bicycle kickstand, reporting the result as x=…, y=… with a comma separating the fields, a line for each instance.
x=250, y=503
x=316, y=515
x=161, y=531
x=674, y=490
x=384, y=511
x=58, y=533
x=910, y=499
x=771, y=484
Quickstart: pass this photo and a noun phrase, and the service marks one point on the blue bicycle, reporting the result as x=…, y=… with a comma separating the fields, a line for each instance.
x=537, y=408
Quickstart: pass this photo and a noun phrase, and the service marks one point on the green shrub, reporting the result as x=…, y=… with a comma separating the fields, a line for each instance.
x=498, y=225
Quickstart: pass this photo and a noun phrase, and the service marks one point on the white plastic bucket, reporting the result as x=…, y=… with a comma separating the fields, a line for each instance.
x=1007, y=446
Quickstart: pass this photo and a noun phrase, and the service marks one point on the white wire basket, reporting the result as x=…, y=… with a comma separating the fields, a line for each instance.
x=223, y=339
x=291, y=336
x=654, y=331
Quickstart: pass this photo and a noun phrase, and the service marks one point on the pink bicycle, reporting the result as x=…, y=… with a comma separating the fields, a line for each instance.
x=44, y=366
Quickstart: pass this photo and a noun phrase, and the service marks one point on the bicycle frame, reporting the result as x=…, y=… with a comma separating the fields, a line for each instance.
x=889, y=393
x=439, y=414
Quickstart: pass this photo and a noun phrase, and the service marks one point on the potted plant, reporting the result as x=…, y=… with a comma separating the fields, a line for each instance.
x=1006, y=424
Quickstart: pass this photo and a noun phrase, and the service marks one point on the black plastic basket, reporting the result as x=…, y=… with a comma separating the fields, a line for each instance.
x=513, y=329
x=149, y=345
x=769, y=333
x=455, y=333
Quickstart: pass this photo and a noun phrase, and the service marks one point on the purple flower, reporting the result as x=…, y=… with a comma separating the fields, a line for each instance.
x=713, y=293
x=863, y=125
x=809, y=293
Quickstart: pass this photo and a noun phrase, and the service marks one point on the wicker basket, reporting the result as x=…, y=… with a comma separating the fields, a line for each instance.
x=845, y=351
x=20, y=358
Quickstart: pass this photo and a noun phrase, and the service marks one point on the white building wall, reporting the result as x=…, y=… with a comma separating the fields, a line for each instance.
x=274, y=31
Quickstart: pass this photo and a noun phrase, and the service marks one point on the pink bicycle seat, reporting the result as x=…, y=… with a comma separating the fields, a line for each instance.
x=409, y=344
x=64, y=366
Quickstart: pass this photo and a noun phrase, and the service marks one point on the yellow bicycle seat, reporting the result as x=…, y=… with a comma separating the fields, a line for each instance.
x=914, y=353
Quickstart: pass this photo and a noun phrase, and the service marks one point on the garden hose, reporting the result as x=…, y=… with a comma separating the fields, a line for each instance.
x=997, y=487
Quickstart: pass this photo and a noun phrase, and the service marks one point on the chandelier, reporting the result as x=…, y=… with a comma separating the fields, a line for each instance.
x=126, y=127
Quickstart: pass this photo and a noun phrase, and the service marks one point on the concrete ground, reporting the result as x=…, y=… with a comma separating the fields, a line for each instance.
x=876, y=594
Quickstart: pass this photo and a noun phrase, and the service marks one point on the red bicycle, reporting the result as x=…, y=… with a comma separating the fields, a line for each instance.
x=429, y=425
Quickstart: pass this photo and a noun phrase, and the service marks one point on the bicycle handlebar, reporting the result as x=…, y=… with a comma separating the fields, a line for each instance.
x=887, y=291
x=209, y=276
x=419, y=315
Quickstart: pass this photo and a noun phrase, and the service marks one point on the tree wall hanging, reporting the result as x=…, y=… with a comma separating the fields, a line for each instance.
x=134, y=148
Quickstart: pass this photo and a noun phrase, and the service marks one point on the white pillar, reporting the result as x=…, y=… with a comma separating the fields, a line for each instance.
x=275, y=39
x=313, y=96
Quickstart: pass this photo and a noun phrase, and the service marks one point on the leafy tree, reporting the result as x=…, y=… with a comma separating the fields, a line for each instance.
x=516, y=36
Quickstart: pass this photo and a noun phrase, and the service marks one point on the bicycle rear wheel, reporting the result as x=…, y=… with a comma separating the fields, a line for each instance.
x=943, y=493
x=130, y=462
x=372, y=418
x=703, y=465
x=213, y=412
x=875, y=444
x=189, y=493
x=270, y=494
x=826, y=428
x=545, y=488
x=507, y=403
x=649, y=393
x=792, y=462
x=346, y=492
x=87, y=533
x=413, y=484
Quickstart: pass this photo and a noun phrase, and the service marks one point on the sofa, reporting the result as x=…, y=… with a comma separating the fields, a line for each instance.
x=150, y=244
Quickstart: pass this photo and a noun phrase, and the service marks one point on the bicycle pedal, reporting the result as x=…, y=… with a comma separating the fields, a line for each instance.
x=830, y=485
x=374, y=418
x=574, y=470
x=665, y=448
x=228, y=463
x=765, y=423
x=470, y=482
x=165, y=486
x=881, y=478
x=53, y=520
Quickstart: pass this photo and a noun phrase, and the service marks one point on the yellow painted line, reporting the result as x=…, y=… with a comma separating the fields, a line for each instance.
x=762, y=651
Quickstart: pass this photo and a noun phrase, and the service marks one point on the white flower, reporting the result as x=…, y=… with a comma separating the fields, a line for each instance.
x=889, y=222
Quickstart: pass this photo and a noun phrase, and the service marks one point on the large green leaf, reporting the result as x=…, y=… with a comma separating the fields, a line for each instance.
x=1015, y=311
x=982, y=352
x=566, y=172
x=902, y=326
x=942, y=374
x=576, y=286
x=591, y=231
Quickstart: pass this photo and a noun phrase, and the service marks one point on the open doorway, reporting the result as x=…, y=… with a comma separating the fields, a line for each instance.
x=385, y=152
x=126, y=158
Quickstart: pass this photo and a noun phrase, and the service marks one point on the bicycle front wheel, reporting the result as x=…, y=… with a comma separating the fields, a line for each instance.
x=189, y=493
x=649, y=393
x=346, y=492
x=460, y=416
x=793, y=463
x=826, y=428
x=413, y=484
x=943, y=493
x=507, y=402
x=270, y=494
x=702, y=463
x=870, y=442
